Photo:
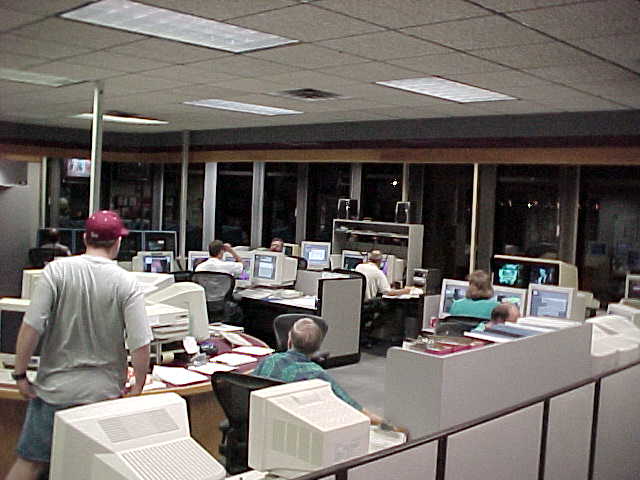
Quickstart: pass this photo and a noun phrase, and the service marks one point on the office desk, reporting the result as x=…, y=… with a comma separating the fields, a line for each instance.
x=205, y=414
x=402, y=318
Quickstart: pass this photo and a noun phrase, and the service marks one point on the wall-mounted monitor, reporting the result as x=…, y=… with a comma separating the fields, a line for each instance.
x=77, y=167
x=551, y=301
x=517, y=296
x=316, y=254
x=159, y=241
x=632, y=286
x=351, y=259
x=195, y=258
x=130, y=246
x=273, y=268
x=452, y=290
x=519, y=272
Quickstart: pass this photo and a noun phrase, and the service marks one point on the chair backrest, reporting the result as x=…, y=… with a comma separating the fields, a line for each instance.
x=182, y=276
x=283, y=323
x=456, y=325
x=218, y=286
x=302, y=262
x=40, y=256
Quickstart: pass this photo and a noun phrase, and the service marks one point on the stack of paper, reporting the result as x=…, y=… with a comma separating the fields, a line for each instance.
x=233, y=359
x=212, y=367
x=177, y=375
x=256, y=351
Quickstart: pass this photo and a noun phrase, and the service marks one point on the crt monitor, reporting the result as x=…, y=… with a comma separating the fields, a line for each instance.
x=244, y=279
x=316, y=254
x=160, y=241
x=30, y=278
x=291, y=249
x=351, y=259
x=519, y=272
x=195, y=258
x=452, y=290
x=551, y=301
x=153, y=262
x=143, y=437
x=291, y=434
x=273, y=268
x=517, y=296
x=632, y=286
x=130, y=246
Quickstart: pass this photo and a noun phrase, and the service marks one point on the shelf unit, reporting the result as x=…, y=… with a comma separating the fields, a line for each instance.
x=404, y=240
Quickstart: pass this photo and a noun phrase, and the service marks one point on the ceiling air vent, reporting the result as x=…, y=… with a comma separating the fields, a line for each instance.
x=309, y=95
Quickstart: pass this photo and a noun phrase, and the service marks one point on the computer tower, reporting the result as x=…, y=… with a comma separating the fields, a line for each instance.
x=347, y=208
x=404, y=212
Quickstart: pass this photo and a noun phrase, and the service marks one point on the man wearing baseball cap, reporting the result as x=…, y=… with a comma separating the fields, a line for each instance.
x=83, y=309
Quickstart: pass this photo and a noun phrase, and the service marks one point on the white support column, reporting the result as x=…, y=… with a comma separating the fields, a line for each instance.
x=209, y=203
x=257, y=204
x=405, y=182
x=301, y=202
x=474, y=219
x=96, y=148
x=184, y=181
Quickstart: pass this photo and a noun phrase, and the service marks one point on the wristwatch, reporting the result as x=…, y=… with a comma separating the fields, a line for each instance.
x=18, y=376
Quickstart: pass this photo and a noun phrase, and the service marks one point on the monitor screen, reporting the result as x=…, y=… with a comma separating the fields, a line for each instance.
x=633, y=286
x=351, y=261
x=451, y=293
x=549, y=303
x=78, y=167
x=265, y=267
x=510, y=274
x=130, y=246
x=156, y=264
x=160, y=241
x=246, y=269
x=316, y=254
x=506, y=295
x=543, y=274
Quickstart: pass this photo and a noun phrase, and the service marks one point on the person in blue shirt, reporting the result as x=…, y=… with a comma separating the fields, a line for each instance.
x=478, y=301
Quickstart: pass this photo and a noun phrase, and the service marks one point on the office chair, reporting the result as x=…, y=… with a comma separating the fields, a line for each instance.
x=233, y=391
x=182, y=276
x=218, y=289
x=302, y=262
x=456, y=325
x=283, y=323
x=40, y=256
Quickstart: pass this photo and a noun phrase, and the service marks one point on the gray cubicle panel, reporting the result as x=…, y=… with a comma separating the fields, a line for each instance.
x=340, y=301
x=307, y=281
x=416, y=464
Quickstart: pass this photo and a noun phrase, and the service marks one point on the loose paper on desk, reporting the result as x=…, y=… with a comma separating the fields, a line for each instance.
x=223, y=327
x=236, y=339
x=212, y=367
x=258, y=351
x=177, y=375
x=233, y=359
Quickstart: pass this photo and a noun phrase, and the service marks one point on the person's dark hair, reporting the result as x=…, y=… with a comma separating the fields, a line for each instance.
x=479, y=285
x=375, y=256
x=105, y=244
x=306, y=336
x=215, y=248
x=50, y=235
x=500, y=314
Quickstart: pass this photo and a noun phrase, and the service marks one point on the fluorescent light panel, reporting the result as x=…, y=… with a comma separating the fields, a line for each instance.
x=34, y=78
x=123, y=119
x=163, y=23
x=447, y=89
x=242, y=107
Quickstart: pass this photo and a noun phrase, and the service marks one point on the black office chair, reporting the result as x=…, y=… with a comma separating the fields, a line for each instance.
x=218, y=289
x=302, y=262
x=283, y=323
x=182, y=276
x=40, y=256
x=456, y=325
x=233, y=391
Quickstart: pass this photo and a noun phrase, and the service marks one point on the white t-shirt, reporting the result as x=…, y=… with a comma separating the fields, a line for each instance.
x=84, y=307
x=376, y=280
x=216, y=265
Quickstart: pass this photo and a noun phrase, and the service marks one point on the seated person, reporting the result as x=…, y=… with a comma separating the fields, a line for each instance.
x=277, y=245
x=295, y=365
x=377, y=283
x=51, y=239
x=478, y=301
x=504, y=312
x=215, y=262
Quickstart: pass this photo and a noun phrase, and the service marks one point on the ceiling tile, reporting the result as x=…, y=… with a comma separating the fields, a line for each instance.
x=167, y=51
x=19, y=62
x=518, y=107
x=75, y=72
x=474, y=33
x=306, y=23
x=394, y=14
x=40, y=7
x=10, y=19
x=253, y=85
x=388, y=96
x=597, y=71
x=370, y=72
x=611, y=89
x=306, y=56
x=515, y=5
x=242, y=66
x=15, y=88
x=199, y=92
x=222, y=9
x=37, y=48
x=497, y=80
x=127, y=84
x=307, y=79
x=622, y=49
x=188, y=74
x=448, y=64
x=116, y=62
x=592, y=19
x=532, y=56
x=76, y=33
x=384, y=46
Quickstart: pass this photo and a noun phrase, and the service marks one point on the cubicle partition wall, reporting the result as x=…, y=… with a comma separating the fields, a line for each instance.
x=586, y=431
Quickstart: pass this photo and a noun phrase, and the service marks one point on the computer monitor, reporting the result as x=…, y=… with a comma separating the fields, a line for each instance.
x=195, y=258
x=151, y=282
x=451, y=290
x=517, y=296
x=154, y=262
x=290, y=432
x=519, y=272
x=160, y=241
x=632, y=286
x=191, y=297
x=291, y=249
x=351, y=259
x=30, y=279
x=551, y=301
x=316, y=254
x=142, y=437
x=244, y=279
x=130, y=246
x=273, y=268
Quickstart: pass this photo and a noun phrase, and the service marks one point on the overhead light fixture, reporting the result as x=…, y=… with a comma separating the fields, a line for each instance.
x=119, y=117
x=160, y=22
x=447, y=89
x=35, y=78
x=242, y=107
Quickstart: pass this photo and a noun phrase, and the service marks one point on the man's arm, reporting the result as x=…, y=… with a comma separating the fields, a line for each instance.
x=140, y=363
x=25, y=346
x=398, y=291
x=229, y=248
